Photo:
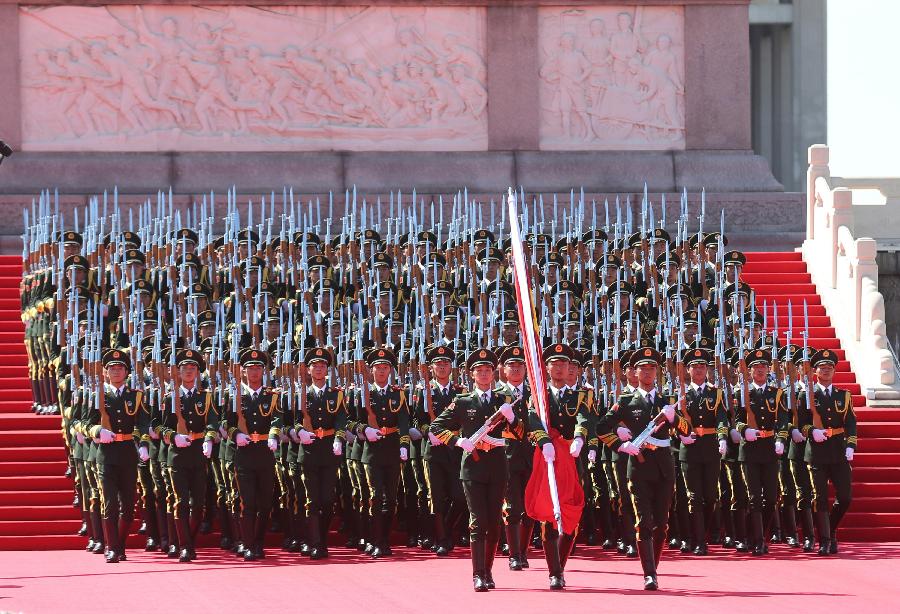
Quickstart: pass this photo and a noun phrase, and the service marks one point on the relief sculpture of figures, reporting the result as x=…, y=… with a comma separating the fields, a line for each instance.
x=612, y=78
x=156, y=78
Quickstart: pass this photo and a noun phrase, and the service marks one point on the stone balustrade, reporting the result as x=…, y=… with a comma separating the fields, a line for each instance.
x=845, y=273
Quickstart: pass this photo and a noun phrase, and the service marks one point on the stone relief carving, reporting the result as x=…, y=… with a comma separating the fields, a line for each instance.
x=244, y=78
x=612, y=77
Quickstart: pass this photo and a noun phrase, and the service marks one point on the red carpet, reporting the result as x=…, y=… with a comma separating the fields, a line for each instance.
x=861, y=579
x=35, y=498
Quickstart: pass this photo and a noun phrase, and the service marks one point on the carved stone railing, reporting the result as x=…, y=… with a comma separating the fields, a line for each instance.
x=845, y=273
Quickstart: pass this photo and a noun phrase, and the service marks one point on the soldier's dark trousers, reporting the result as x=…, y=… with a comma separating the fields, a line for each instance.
x=652, y=494
x=762, y=488
x=839, y=474
x=118, y=486
x=189, y=484
x=626, y=505
x=255, y=478
x=702, y=483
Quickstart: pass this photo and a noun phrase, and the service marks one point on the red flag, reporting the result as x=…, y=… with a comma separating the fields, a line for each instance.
x=563, y=476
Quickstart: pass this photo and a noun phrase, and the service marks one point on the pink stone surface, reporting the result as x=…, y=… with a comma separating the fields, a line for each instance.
x=10, y=123
x=612, y=77
x=239, y=78
x=717, y=69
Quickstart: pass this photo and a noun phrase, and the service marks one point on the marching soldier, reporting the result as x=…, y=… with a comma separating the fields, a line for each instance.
x=383, y=423
x=447, y=502
x=702, y=448
x=320, y=424
x=762, y=422
x=483, y=468
x=188, y=424
x=519, y=456
x=829, y=424
x=253, y=423
x=119, y=421
x=651, y=482
x=568, y=421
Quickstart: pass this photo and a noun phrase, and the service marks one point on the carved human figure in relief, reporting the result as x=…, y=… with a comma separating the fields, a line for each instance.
x=57, y=83
x=624, y=45
x=411, y=52
x=472, y=92
x=568, y=70
x=134, y=98
x=596, y=50
x=455, y=52
x=174, y=82
x=444, y=101
x=661, y=59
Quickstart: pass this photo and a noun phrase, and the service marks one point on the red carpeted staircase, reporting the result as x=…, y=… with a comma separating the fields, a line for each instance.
x=36, y=499
x=874, y=515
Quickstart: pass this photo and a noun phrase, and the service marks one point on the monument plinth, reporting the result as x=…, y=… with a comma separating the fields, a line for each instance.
x=432, y=95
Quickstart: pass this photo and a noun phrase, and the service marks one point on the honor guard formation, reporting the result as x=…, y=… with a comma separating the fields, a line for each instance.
x=282, y=376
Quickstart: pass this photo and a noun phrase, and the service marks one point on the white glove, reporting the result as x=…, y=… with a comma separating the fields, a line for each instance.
x=144, y=454
x=350, y=436
x=623, y=433
x=819, y=435
x=592, y=456
x=293, y=435
x=106, y=436
x=723, y=447
x=779, y=448
x=549, y=452
x=669, y=411
x=434, y=440
x=735, y=436
x=337, y=447
x=207, y=448
x=153, y=434
x=629, y=448
x=305, y=437
x=507, y=410
x=273, y=444
x=79, y=437
x=797, y=436
x=750, y=434
x=575, y=448
x=241, y=439
x=403, y=454
x=415, y=434
x=465, y=444
x=687, y=439
x=223, y=432
x=283, y=437
x=849, y=454
x=372, y=434
x=181, y=441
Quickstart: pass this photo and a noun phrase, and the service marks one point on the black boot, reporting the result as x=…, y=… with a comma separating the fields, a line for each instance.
x=789, y=526
x=823, y=525
x=757, y=535
x=377, y=535
x=659, y=540
x=385, y=536
x=490, y=551
x=412, y=526
x=99, y=545
x=314, y=537
x=111, y=531
x=262, y=524
x=524, y=541
x=834, y=519
x=365, y=532
x=248, y=548
x=728, y=524
x=159, y=510
x=124, y=529
x=441, y=541
x=809, y=530
x=513, y=537
x=740, y=530
x=646, y=552
x=477, y=548
x=226, y=538
x=85, y=522
x=184, y=540
x=698, y=529
x=551, y=555
x=174, y=547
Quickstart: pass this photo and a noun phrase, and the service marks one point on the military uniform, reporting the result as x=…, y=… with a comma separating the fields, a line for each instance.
x=651, y=482
x=483, y=468
x=830, y=428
